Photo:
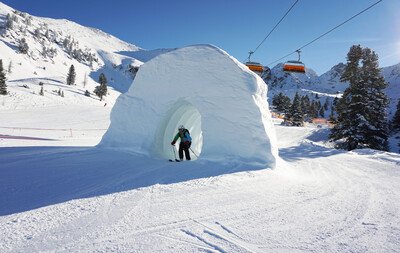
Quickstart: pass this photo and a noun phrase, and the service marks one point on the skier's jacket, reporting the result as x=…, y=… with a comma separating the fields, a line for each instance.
x=184, y=135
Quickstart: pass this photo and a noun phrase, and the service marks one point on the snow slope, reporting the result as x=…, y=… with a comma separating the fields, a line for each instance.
x=56, y=44
x=85, y=199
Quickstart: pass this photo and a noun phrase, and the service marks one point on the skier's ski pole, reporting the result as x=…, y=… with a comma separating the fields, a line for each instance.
x=194, y=153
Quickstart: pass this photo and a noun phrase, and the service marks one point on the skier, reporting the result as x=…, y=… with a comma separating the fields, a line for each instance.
x=185, y=143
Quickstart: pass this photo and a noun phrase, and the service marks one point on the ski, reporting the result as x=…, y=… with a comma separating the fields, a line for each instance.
x=176, y=160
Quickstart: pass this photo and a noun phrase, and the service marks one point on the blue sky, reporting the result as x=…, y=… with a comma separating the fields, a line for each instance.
x=238, y=26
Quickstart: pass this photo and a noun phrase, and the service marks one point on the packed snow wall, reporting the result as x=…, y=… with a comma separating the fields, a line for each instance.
x=218, y=99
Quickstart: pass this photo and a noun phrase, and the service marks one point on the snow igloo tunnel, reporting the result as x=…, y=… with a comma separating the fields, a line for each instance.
x=218, y=99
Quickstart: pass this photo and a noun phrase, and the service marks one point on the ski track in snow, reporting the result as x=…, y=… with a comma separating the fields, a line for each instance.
x=339, y=202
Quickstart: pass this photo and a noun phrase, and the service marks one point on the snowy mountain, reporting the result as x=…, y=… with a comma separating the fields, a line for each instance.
x=392, y=76
x=53, y=45
x=281, y=80
x=330, y=81
x=327, y=85
x=37, y=50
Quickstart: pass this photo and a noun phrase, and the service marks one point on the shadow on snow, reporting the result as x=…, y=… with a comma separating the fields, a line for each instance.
x=34, y=177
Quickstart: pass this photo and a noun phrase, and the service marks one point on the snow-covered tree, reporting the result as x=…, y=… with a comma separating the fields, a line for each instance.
x=326, y=104
x=10, y=67
x=281, y=102
x=396, y=119
x=11, y=20
x=3, y=85
x=37, y=34
x=41, y=92
x=44, y=51
x=28, y=21
x=314, y=109
x=85, y=80
x=23, y=46
x=321, y=112
x=295, y=116
x=362, y=119
x=71, y=75
x=332, y=117
x=101, y=90
x=305, y=105
x=377, y=132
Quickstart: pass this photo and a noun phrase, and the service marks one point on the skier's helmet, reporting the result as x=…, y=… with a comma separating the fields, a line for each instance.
x=181, y=127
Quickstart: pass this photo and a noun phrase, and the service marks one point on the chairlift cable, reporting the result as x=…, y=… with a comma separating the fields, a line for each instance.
x=287, y=12
x=334, y=28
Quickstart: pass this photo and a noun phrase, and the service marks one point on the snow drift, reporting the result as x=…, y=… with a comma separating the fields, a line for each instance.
x=221, y=102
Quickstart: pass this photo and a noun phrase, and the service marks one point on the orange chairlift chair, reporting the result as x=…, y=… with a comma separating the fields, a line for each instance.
x=254, y=66
x=294, y=66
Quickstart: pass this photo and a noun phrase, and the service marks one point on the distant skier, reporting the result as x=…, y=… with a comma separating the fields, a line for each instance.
x=185, y=143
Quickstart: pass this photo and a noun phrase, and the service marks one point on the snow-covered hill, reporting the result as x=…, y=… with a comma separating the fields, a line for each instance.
x=392, y=76
x=51, y=47
x=327, y=85
x=56, y=44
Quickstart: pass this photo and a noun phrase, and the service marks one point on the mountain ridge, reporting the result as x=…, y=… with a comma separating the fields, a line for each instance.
x=55, y=44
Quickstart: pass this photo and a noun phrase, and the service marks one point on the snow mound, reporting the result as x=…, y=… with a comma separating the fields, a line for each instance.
x=219, y=100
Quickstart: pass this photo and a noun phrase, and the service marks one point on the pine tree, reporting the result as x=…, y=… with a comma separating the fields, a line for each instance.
x=377, y=131
x=71, y=75
x=41, y=92
x=3, y=85
x=85, y=80
x=326, y=104
x=321, y=112
x=362, y=119
x=10, y=22
x=305, y=105
x=286, y=104
x=101, y=90
x=395, y=126
x=23, y=46
x=332, y=117
x=10, y=67
x=314, y=109
x=295, y=115
x=37, y=34
x=281, y=102
x=276, y=100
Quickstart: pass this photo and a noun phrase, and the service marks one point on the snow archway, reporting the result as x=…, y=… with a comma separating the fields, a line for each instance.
x=181, y=113
x=221, y=102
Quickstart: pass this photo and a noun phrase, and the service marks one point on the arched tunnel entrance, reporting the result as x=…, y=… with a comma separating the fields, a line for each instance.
x=181, y=113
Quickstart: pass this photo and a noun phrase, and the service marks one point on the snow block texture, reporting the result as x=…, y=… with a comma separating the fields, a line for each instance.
x=218, y=99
